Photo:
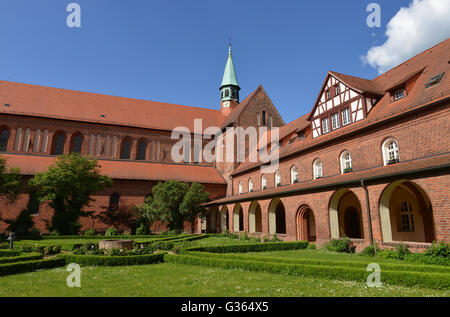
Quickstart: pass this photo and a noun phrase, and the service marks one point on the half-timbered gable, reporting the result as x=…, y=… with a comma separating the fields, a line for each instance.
x=342, y=100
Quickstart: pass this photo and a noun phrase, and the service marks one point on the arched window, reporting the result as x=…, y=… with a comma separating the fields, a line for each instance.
x=346, y=162
x=263, y=116
x=250, y=185
x=241, y=188
x=141, y=149
x=390, y=152
x=294, y=174
x=317, y=166
x=76, y=143
x=4, y=137
x=125, y=151
x=114, y=202
x=263, y=182
x=59, y=139
x=258, y=119
x=277, y=178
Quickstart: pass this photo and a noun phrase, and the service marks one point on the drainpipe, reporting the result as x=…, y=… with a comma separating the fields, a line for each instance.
x=368, y=213
x=232, y=192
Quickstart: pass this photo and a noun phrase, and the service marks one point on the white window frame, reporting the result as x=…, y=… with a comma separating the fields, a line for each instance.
x=346, y=161
x=346, y=119
x=325, y=125
x=335, y=122
x=317, y=169
x=240, y=188
x=399, y=94
x=263, y=182
x=250, y=185
x=390, y=153
x=294, y=174
x=277, y=178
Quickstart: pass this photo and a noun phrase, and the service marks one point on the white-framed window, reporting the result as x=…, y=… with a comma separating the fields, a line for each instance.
x=294, y=174
x=240, y=187
x=317, y=167
x=250, y=185
x=325, y=125
x=390, y=152
x=346, y=116
x=407, y=217
x=263, y=182
x=346, y=162
x=328, y=94
x=277, y=178
x=337, y=90
x=335, y=123
x=399, y=94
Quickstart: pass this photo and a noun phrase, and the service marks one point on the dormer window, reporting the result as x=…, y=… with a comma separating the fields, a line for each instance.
x=434, y=80
x=399, y=94
x=301, y=135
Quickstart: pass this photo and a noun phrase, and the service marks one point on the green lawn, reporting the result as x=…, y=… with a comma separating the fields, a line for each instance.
x=167, y=279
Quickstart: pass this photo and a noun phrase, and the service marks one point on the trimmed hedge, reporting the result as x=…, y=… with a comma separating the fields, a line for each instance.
x=30, y=266
x=301, y=261
x=428, y=280
x=252, y=247
x=5, y=253
x=104, y=260
x=20, y=258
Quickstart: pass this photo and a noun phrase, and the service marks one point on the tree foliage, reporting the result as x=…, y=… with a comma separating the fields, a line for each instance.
x=173, y=202
x=68, y=186
x=10, y=181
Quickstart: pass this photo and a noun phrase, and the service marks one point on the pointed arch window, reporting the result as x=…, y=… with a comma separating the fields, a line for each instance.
x=76, y=143
x=240, y=187
x=317, y=167
x=4, y=137
x=125, y=151
x=250, y=185
x=294, y=174
x=141, y=149
x=346, y=162
x=390, y=151
x=263, y=182
x=277, y=178
x=59, y=139
x=263, y=117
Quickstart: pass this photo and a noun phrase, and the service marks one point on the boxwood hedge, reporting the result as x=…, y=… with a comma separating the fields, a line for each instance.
x=30, y=266
x=104, y=260
x=5, y=253
x=252, y=247
x=21, y=258
x=420, y=279
x=384, y=266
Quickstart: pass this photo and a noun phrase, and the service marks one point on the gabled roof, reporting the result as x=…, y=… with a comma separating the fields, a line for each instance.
x=229, y=75
x=33, y=100
x=31, y=164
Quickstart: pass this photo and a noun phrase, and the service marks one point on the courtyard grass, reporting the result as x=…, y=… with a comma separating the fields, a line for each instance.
x=167, y=280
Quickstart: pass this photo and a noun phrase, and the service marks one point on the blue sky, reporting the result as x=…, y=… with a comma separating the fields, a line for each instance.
x=175, y=50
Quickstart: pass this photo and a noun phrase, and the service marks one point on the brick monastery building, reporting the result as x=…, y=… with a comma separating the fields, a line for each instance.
x=371, y=159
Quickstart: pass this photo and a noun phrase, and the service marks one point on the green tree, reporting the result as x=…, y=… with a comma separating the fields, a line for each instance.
x=10, y=183
x=173, y=202
x=192, y=204
x=68, y=186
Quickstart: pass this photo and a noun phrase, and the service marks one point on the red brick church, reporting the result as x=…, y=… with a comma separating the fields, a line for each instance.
x=370, y=161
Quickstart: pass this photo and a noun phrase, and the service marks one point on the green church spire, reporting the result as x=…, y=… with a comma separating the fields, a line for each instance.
x=229, y=87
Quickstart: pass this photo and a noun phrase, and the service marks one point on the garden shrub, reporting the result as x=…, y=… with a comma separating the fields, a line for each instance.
x=402, y=251
x=7, y=252
x=244, y=236
x=30, y=266
x=54, y=233
x=4, y=245
x=266, y=238
x=370, y=250
x=89, y=232
x=142, y=229
x=276, y=239
x=428, y=280
x=427, y=259
x=99, y=260
x=43, y=249
x=21, y=258
x=111, y=232
x=311, y=246
x=439, y=250
x=252, y=247
x=342, y=245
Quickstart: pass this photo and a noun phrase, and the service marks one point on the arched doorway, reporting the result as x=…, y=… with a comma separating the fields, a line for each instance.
x=255, y=218
x=238, y=218
x=306, y=224
x=406, y=213
x=277, y=217
x=213, y=219
x=345, y=215
x=224, y=219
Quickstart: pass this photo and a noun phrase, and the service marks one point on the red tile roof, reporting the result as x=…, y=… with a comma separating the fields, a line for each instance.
x=430, y=62
x=32, y=164
x=33, y=100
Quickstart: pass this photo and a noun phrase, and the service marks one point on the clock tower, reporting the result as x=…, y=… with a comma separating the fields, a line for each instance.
x=229, y=89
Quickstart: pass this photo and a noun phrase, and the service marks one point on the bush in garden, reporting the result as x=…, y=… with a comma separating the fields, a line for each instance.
x=370, y=250
x=142, y=229
x=266, y=238
x=111, y=232
x=275, y=238
x=89, y=232
x=4, y=245
x=440, y=250
x=402, y=251
x=43, y=249
x=311, y=246
x=244, y=236
x=342, y=245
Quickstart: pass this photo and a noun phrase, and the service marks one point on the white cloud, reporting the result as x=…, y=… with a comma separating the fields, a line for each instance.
x=412, y=30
